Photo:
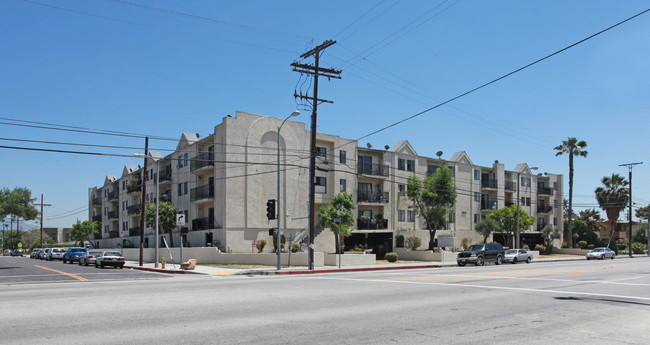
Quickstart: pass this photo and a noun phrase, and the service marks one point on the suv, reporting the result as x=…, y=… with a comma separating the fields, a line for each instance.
x=43, y=255
x=55, y=254
x=478, y=254
x=73, y=254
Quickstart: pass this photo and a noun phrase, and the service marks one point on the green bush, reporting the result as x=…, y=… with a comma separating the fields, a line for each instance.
x=260, y=247
x=590, y=246
x=399, y=241
x=413, y=242
x=526, y=247
x=295, y=247
x=565, y=245
x=541, y=248
x=638, y=248
x=391, y=257
x=582, y=244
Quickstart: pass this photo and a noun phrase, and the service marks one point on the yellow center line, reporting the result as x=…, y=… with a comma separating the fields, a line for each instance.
x=61, y=272
x=223, y=273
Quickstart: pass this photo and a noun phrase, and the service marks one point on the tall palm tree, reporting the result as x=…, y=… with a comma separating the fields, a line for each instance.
x=572, y=147
x=613, y=198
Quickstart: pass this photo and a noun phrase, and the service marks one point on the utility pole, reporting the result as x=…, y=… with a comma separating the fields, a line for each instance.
x=629, y=222
x=144, y=192
x=316, y=71
x=41, y=205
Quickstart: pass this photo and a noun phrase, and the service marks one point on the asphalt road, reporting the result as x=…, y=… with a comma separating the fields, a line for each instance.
x=577, y=302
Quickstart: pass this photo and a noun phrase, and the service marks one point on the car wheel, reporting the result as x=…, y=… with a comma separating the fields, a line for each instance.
x=528, y=260
x=499, y=260
x=461, y=264
x=602, y=257
x=96, y=265
x=514, y=261
x=121, y=266
x=101, y=265
x=613, y=256
x=79, y=262
x=588, y=258
x=63, y=260
x=479, y=261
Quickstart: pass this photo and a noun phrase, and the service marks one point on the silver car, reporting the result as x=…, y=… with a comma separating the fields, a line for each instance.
x=601, y=253
x=55, y=254
x=518, y=255
x=88, y=258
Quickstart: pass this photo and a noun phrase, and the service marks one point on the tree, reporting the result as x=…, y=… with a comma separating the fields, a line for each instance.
x=81, y=231
x=166, y=218
x=433, y=199
x=338, y=217
x=582, y=231
x=486, y=227
x=507, y=219
x=549, y=233
x=643, y=212
x=613, y=198
x=18, y=204
x=572, y=147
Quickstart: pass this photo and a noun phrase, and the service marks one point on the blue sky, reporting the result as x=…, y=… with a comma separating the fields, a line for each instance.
x=166, y=67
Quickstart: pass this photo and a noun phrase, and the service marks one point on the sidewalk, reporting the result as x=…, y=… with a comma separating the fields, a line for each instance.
x=225, y=271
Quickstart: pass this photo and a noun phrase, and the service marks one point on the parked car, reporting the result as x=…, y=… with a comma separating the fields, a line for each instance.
x=479, y=254
x=517, y=255
x=55, y=254
x=43, y=255
x=109, y=258
x=72, y=254
x=88, y=257
x=17, y=252
x=601, y=253
x=7, y=252
x=36, y=252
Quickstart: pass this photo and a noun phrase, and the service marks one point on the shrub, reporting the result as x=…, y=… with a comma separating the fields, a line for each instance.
x=526, y=247
x=590, y=246
x=413, y=242
x=638, y=248
x=399, y=241
x=620, y=243
x=391, y=257
x=540, y=248
x=295, y=247
x=565, y=245
x=582, y=244
x=260, y=247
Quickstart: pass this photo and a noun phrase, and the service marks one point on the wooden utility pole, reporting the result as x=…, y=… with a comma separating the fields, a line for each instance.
x=316, y=71
x=41, y=205
x=144, y=192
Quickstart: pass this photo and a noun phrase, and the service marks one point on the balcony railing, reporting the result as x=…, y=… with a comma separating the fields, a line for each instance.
x=112, y=195
x=545, y=190
x=202, y=160
x=202, y=192
x=488, y=204
x=509, y=203
x=134, y=231
x=374, y=197
x=96, y=202
x=372, y=224
x=511, y=186
x=372, y=169
x=97, y=219
x=201, y=224
x=544, y=209
x=113, y=234
x=540, y=226
x=133, y=209
x=134, y=186
x=165, y=175
x=113, y=214
x=488, y=183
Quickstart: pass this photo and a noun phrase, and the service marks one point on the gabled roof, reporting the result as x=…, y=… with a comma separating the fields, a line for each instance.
x=461, y=157
x=109, y=179
x=403, y=147
x=523, y=169
x=128, y=170
x=186, y=140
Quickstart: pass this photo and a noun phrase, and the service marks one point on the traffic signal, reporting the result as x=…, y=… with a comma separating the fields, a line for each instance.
x=270, y=209
x=272, y=232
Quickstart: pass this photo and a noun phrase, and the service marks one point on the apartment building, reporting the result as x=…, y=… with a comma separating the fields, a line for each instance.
x=221, y=183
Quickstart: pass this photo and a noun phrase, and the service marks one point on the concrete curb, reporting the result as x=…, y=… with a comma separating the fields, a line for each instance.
x=158, y=270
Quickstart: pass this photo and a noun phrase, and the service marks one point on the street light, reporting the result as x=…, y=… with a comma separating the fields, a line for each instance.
x=156, y=156
x=279, y=242
x=518, y=243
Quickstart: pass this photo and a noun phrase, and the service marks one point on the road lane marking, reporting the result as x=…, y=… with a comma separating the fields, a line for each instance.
x=64, y=273
x=482, y=275
x=223, y=273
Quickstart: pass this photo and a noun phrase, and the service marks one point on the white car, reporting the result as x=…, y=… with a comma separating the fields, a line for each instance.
x=517, y=255
x=55, y=254
x=601, y=253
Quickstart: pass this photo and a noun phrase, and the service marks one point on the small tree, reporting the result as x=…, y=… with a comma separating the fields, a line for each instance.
x=81, y=231
x=433, y=198
x=413, y=242
x=166, y=218
x=486, y=227
x=507, y=219
x=338, y=217
x=549, y=233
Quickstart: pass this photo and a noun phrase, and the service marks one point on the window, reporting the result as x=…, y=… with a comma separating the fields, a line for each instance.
x=431, y=169
x=401, y=164
x=400, y=215
x=477, y=196
x=555, y=222
x=342, y=157
x=124, y=205
x=180, y=161
x=410, y=216
x=125, y=226
x=321, y=151
x=123, y=184
x=525, y=181
x=525, y=201
x=477, y=174
x=182, y=188
x=105, y=211
x=343, y=183
x=453, y=171
x=555, y=203
x=401, y=189
x=106, y=193
x=452, y=217
x=477, y=217
x=410, y=165
x=321, y=184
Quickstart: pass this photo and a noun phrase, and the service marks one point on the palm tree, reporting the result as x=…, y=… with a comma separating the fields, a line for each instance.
x=572, y=147
x=613, y=198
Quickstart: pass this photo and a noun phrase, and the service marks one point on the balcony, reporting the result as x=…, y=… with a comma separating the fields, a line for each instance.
x=134, y=186
x=202, y=192
x=488, y=205
x=372, y=224
x=96, y=202
x=544, y=209
x=489, y=183
x=372, y=169
x=202, y=160
x=372, y=197
x=510, y=186
x=97, y=219
x=134, y=231
x=112, y=215
x=201, y=224
x=540, y=226
x=113, y=234
x=112, y=196
x=133, y=210
x=544, y=190
x=165, y=176
x=509, y=203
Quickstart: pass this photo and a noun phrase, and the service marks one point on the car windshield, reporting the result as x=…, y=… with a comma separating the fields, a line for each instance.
x=77, y=250
x=476, y=247
x=112, y=254
x=511, y=251
x=58, y=250
x=93, y=253
x=599, y=250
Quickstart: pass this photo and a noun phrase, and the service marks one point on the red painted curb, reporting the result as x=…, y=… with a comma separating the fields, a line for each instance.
x=159, y=270
x=355, y=269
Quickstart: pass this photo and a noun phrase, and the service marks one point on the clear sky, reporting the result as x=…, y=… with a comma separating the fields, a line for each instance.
x=166, y=67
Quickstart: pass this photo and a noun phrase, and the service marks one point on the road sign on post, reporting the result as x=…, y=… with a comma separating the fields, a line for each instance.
x=180, y=219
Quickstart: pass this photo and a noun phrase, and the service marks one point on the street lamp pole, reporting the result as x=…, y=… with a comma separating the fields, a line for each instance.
x=517, y=242
x=629, y=223
x=156, y=156
x=277, y=203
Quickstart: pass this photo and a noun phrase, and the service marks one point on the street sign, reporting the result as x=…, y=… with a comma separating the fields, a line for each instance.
x=445, y=241
x=20, y=244
x=180, y=219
